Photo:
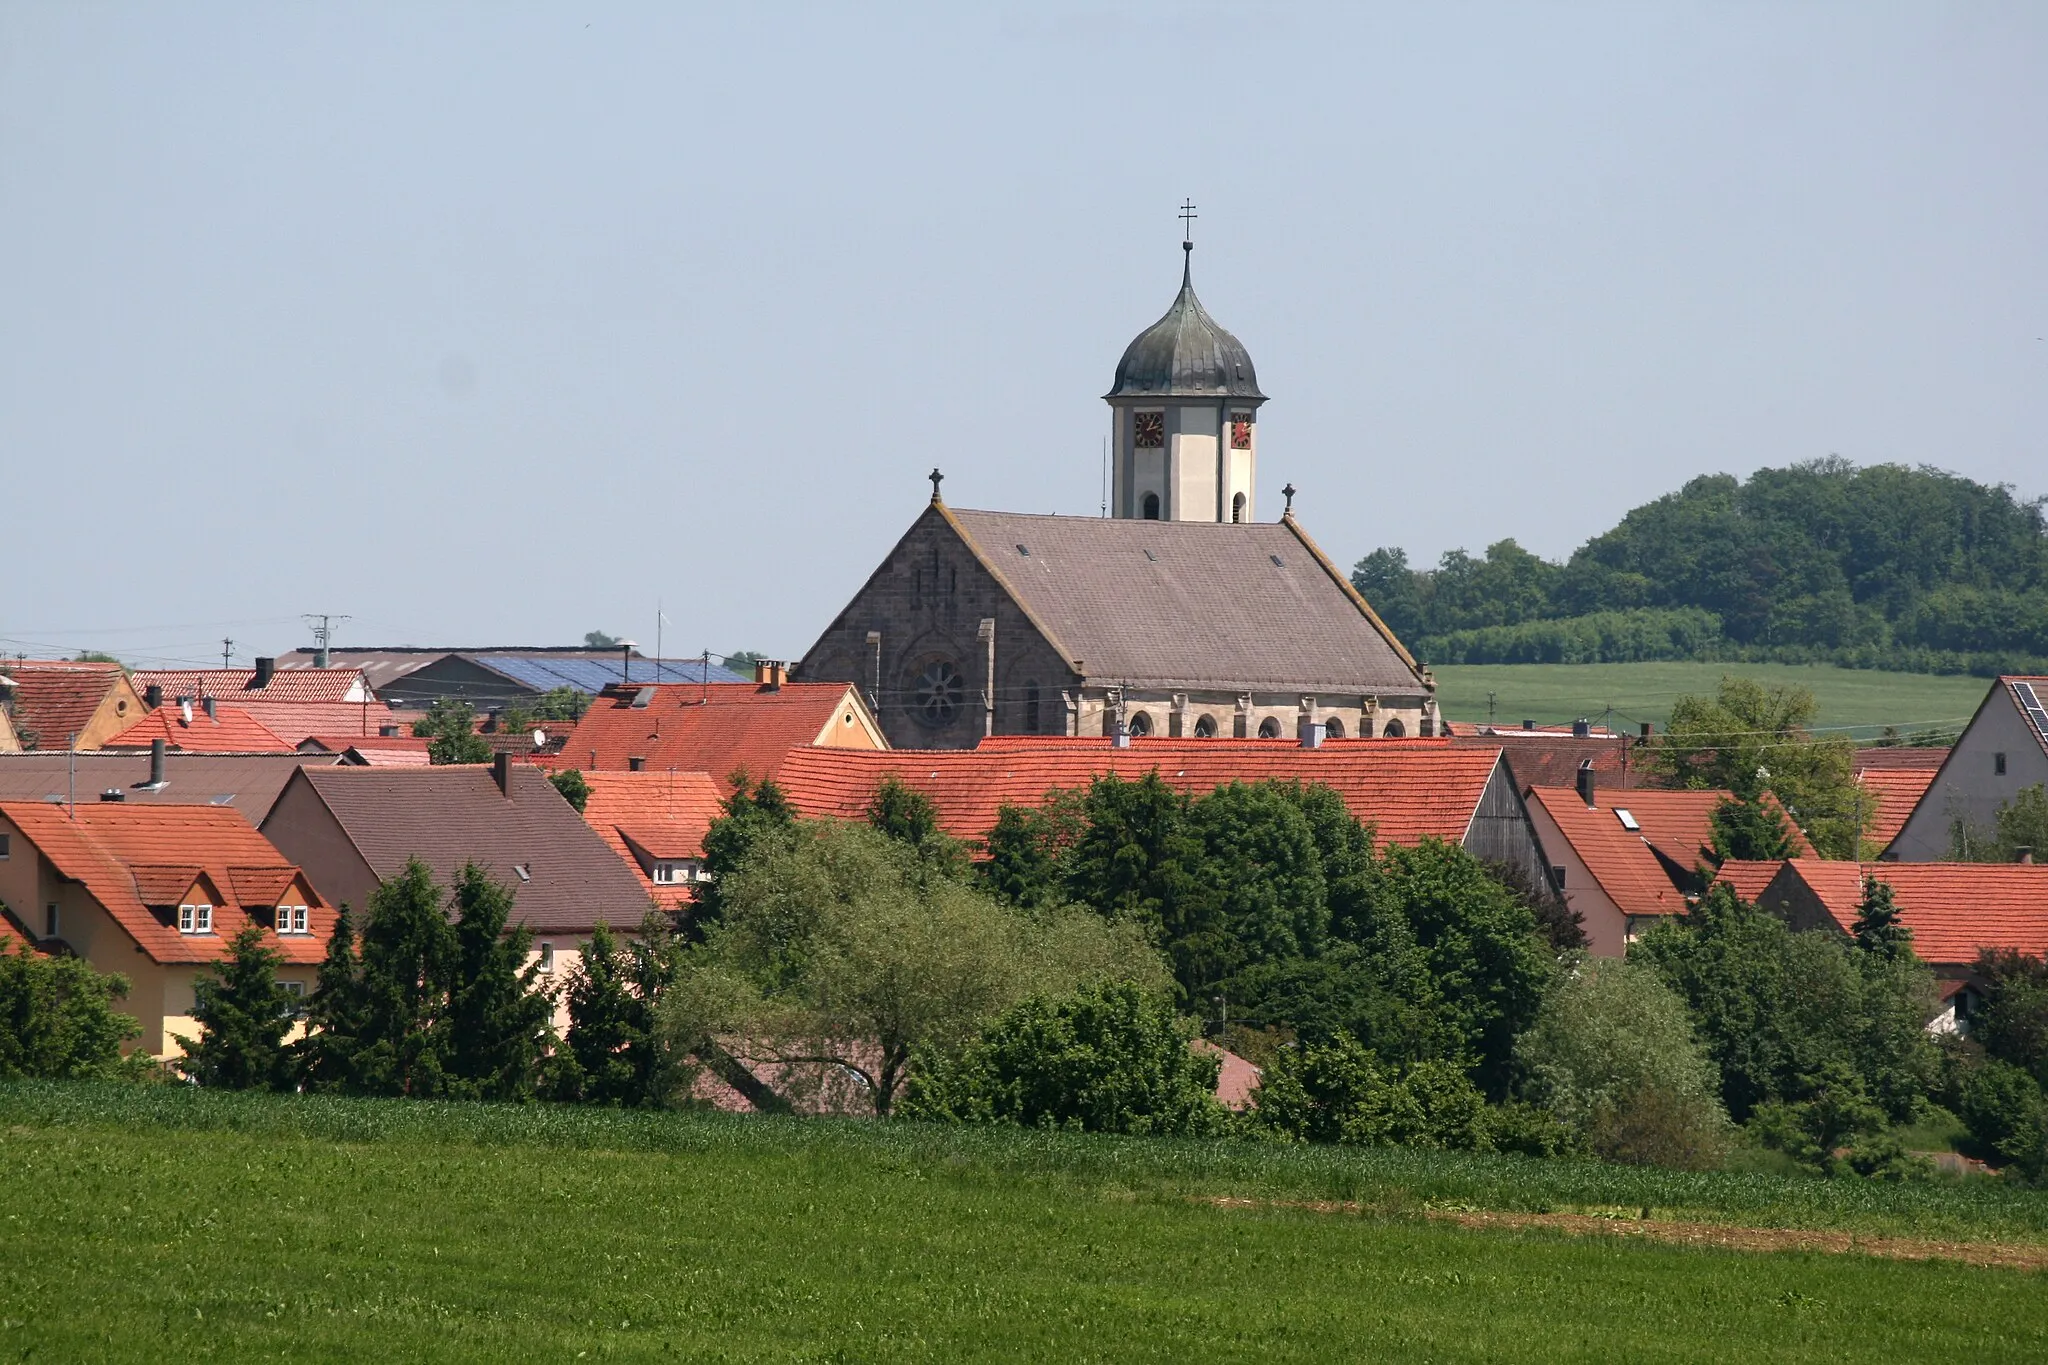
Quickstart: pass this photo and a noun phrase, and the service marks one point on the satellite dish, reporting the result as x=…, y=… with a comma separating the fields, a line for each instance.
x=540, y=739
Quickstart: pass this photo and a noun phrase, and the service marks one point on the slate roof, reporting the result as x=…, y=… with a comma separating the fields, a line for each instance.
x=247, y=782
x=1955, y=910
x=55, y=699
x=663, y=814
x=1897, y=790
x=1626, y=863
x=1408, y=788
x=131, y=858
x=286, y=684
x=230, y=730
x=1185, y=353
x=1183, y=604
x=692, y=728
x=447, y=816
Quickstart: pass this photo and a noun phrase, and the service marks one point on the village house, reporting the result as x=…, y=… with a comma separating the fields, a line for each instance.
x=1551, y=756
x=352, y=827
x=717, y=728
x=248, y=783
x=655, y=822
x=62, y=704
x=414, y=677
x=2002, y=751
x=290, y=702
x=205, y=728
x=155, y=893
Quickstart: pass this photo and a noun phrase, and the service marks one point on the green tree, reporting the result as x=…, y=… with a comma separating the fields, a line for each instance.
x=1613, y=1056
x=1135, y=859
x=1393, y=590
x=408, y=953
x=1029, y=850
x=2011, y=1024
x=597, y=639
x=336, y=1015
x=614, y=1048
x=839, y=948
x=1105, y=1059
x=450, y=729
x=498, y=1017
x=569, y=782
x=2022, y=823
x=2007, y=1115
x=750, y=816
x=1878, y=929
x=243, y=1016
x=1749, y=739
x=1341, y=1091
x=1751, y=829
x=908, y=816
x=58, y=1021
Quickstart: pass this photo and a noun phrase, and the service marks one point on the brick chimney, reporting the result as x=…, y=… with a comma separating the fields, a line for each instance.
x=153, y=696
x=770, y=673
x=501, y=773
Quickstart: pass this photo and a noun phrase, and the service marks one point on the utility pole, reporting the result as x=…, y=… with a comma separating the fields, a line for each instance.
x=227, y=651
x=323, y=633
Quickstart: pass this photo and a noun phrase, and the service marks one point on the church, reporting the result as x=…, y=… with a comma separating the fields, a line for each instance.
x=1178, y=614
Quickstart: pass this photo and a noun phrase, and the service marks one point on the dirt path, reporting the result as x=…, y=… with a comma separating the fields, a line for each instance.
x=1729, y=1237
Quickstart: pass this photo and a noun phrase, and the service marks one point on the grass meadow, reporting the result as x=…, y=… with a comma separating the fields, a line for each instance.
x=165, y=1223
x=1862, y=700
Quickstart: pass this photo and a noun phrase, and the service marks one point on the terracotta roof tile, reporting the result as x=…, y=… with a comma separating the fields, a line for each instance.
x=1748, y=878
x=292, y=721
x=1955, y=910
x=665, y=814
x=1550, y=760
x=1897, y=790
x=55, y=699
x=239, y=684
x=1899, y=756
x=693, y=728
x=1409, y=789
x=231, y=730
x=1625, y=862
x=132, y=857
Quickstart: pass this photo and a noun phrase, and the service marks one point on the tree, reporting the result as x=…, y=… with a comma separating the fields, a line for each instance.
x=243, y=1016
x=751, y=816
x=555, y=704
x=597, y=639
x=1341, y=1092
x=1749, y=740
x=402, y=1045
x=908, y=816
x=1751, y=829
x=1877, y=929
x=335, y=1016
x=1256, y=894
x=1029, y=850
x=450, y=728
x=499, y=1019
x=2023, y=823
x=1135, y=858
x=569, y=782
x=2011, y=1024
x=1104, y=1059
x=1613, y=1056
x=614, y=1049
x=839, y=948
x=58, y=1021
x=2007, y=1115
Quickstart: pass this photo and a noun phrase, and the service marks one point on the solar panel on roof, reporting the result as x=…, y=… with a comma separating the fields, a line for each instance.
x=2032, y=703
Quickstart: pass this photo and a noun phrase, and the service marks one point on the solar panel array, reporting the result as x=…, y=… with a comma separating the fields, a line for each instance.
x=2032, y=705
x=594, y=675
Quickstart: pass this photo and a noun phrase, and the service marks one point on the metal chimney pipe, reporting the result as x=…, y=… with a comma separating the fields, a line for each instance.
x=1586, y=783
x=153, y=696
x=1581, y=728
x=156, y=763
x=265, y=670
x=212, y=705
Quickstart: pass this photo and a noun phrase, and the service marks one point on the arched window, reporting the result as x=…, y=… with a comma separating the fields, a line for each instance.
x=1031, y=708
x=1333, y=728
x=1205, y=728
x=1269, y=728
x=937, y=693
x=1395, y=729
x=1237, y=508
x=1151, y=507
x=1139, y=723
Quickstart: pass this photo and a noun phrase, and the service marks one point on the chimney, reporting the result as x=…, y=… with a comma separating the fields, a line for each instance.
x=212, y=705
x=156, y=764
x=113, y=794
x=1311, y=733
x=387, y=731
x=770, y=673
x=501, y=773
x=265, y=670
x=1581, y=728
x=636, y=764
x=1585, y=783
x=1528, y=725
x=2023, y=854
x=184, y=710
x=1646, y=731
x=153, y=696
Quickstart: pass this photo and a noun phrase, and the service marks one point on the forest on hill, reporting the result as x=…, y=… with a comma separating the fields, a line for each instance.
x=1879, y=566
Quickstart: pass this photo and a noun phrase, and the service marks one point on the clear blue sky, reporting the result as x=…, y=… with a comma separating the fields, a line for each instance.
x=496, y=324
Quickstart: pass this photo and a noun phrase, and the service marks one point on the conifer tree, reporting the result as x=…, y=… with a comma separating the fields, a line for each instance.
x=750, y=815
x=910, y=817
x=243, y=1017
x=497, y=1018
x=408, y=955
x=1878, y=929
x=334, y=1016
x=1751, y=829
x=615, y=1054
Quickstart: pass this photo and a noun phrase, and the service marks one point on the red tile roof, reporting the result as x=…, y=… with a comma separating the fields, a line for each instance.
x=231, y=730
x=1625, y=862
x=1748, y=878
x=292, y=721
x=55, y=699
x=286, y=684
x=1955, y=910
x=698, y=729
x=1897, y=790
x=665, y=814
x=1408, y=788
x=1899, y=756
x=1550, y=760
x=131, y=858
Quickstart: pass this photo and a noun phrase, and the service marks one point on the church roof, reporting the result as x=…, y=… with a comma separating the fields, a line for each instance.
x=1186, y=604
x=1185, y=354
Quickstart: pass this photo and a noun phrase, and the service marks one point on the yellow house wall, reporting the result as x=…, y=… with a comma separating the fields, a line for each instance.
x=1607, y=929
x=119, y=709
x=851, y=727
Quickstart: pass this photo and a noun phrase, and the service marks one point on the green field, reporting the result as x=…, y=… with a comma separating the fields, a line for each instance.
x=1624, y=695
x=172, y=1224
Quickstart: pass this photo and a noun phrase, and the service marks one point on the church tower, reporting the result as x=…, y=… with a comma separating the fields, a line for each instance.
x=1184, y=418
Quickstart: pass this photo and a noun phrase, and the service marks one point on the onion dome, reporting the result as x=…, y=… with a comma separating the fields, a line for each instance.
x=1185, y=354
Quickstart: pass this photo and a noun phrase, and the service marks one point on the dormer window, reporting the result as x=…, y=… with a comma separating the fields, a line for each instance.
x=195, y=919
x=667, y=872
x=293, y=919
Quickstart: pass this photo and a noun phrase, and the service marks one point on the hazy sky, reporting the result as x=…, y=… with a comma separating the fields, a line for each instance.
x=496, y=324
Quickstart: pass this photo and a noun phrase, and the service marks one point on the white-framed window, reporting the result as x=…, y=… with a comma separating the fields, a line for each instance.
x=667, y=872
x=195, y=919
x=292, y=919
x=295, y=989
x=547, y=957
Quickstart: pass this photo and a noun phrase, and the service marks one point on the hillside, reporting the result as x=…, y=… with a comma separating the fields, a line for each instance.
x=171, y=1224
x=1872, y=567
x=1862, y=700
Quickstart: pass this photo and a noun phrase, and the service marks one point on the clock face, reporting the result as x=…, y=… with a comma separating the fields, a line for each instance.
x=1148, y=430
x=1240, y=431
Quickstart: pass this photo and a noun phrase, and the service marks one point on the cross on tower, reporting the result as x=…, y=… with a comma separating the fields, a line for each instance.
x=1187, y=221
x=937, y=478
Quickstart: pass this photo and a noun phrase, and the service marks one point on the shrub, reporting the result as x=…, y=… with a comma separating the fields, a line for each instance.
x=57, y=1018
x=2007, y=1116
x=243, y=1016
x=1105, y=1059
x=1341, y=1092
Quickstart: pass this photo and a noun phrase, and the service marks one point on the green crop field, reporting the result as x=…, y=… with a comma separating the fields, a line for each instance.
x=1625, y=695
x=169, y=1224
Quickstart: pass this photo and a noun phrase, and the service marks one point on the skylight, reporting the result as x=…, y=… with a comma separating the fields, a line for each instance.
x=1628, y=821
